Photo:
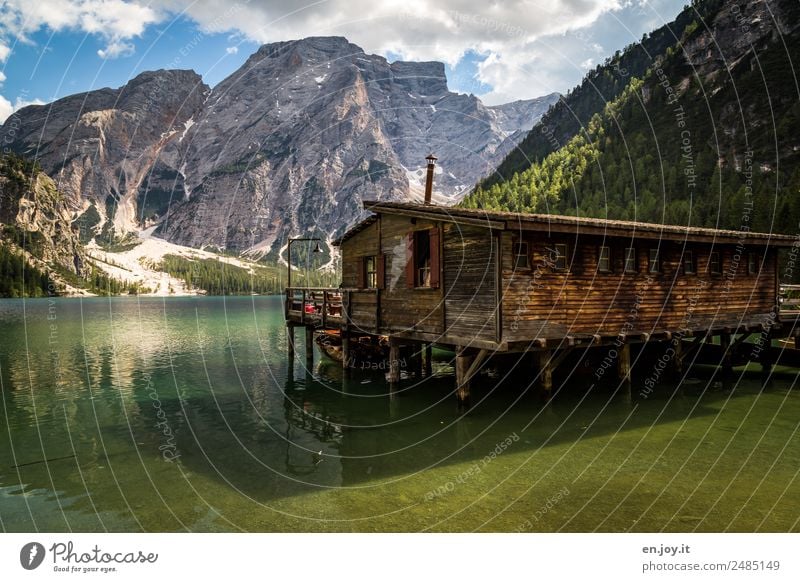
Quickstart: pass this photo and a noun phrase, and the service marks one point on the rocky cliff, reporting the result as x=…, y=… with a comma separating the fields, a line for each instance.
x=36, y=221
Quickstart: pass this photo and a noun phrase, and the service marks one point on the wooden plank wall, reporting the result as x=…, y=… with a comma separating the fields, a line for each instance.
x=362, y=244
x=404, y=309
x=541, y=302
x=470, y=277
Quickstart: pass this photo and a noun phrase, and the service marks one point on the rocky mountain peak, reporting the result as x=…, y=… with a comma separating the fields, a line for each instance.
x=289, y=143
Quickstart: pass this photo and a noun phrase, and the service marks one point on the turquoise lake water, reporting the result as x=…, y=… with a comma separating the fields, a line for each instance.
x=150, y=414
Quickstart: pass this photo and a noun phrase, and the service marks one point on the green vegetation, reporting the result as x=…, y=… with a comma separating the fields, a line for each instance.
x=719, y=150
x=18, y=279
x=220, y=278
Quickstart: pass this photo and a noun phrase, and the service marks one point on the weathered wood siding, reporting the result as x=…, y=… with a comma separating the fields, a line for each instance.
x=361, y=244
x=470, y=282
x=543, y=302
x=404, y=309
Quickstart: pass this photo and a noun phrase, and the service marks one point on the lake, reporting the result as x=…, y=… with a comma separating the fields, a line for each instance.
x=153, y=414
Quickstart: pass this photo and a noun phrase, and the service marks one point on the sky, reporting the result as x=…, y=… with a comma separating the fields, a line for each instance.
x=498, y=50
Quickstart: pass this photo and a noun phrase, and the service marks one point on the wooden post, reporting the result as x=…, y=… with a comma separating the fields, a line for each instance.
x=544, y=363
x=765, y=358
x=677, y=358
x=727, y=360
x=290, y=343
x=624, y=369
x=428, y=360
x=463, y=362
x=347, y=365
x=309, y=347
x=416, y=360
x=394, y=361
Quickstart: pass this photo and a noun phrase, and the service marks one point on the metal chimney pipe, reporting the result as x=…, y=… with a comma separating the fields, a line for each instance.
x=429, y=179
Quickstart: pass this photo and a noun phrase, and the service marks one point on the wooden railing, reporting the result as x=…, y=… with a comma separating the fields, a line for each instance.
x=789, y=297
x=314, y=304
x=333, y=307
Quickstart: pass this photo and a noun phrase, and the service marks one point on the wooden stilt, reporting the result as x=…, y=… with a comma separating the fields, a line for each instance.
x=765, y=358
x=544, y=364
x=309, y=347
x=394, y=361
x=677, y=358
x=727, y=356
x=290, y=343
x=624, y=369
x=347, y=364
x=416, y=360
x=428, y=361
x=463, y=363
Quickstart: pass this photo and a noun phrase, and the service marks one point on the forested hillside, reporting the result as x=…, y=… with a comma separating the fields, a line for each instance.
x=707, y=134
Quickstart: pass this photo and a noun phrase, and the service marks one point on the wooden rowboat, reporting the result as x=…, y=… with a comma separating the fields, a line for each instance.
x=366, y=349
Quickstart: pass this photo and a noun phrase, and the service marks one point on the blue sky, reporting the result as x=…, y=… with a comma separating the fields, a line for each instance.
x=520, y=49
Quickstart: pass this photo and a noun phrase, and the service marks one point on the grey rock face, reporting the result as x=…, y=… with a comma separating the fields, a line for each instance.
x=290, y=143
x=32, y=205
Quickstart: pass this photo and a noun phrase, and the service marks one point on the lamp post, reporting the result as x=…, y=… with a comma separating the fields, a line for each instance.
x=289, y=255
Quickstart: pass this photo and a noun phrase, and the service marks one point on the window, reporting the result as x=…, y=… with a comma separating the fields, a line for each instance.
x=422, y=258
x=604, y=260
x=714, y=264
x=752, y=264
x=630, y=260
x=654, y=262
x=371, y=272
x=559, y=256
x=521, y=257
x=688, y=263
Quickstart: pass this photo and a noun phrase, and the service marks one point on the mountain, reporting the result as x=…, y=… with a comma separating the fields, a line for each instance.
x=703, y=130
x=288, y=144
x=38, y=246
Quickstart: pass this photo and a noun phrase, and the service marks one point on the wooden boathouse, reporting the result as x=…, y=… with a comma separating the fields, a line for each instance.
x=486, y=283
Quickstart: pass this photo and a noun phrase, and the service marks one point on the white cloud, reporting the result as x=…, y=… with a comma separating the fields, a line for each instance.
x=2, y=77
x=4, y=52
x=114, y=21
x=116, y=49
x=529, y=43
x=532, y=47
x=6, y=109
x=232, y=50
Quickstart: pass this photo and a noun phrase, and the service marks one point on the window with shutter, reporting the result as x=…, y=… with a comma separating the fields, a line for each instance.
x=361, y=280
x=423, y=260
x=410, y=266
x=435, y=259
x=381, y=272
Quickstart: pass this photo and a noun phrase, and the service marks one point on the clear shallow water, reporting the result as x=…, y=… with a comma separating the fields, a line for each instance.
x=98, y=396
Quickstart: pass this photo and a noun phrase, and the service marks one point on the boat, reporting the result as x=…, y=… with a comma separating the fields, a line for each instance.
x=363, y=349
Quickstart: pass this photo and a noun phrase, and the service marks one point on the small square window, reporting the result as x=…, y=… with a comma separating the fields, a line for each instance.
x=521, y=256
x=688, y=263
x=604, y=260
x=752, y=264
x=630, y=260
x=714, y=264
x=559, y=255
x=653, y=261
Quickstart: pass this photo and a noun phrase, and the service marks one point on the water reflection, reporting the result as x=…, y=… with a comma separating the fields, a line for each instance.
x=251, y=436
